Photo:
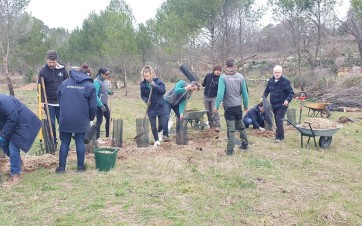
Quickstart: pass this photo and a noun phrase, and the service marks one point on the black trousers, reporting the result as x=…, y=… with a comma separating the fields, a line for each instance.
x=279, y=115
x=107, y=116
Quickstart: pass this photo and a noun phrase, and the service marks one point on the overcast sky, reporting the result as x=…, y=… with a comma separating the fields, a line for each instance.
x=71, y=13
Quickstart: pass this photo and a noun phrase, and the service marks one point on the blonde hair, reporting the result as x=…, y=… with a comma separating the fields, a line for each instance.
x=149, y=69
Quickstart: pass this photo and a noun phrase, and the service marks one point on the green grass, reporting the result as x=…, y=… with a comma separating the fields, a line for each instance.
x=270, y=184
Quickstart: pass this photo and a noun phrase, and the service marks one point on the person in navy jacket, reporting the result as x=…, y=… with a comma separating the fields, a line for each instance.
x=78, y=105
x=281, y=93
x=155, y=104
x=19, y=127
x=255, y=117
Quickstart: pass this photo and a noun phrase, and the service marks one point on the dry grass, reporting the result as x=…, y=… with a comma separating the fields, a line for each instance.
x=196, y=184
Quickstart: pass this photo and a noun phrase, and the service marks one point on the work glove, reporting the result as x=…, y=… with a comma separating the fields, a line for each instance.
x=111, y=92
x=153, y=84
x=104, y=109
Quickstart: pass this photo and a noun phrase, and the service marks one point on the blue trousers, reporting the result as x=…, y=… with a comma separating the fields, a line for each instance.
x=64, y=148
x=13, y=152
x=54, y=114
x=167, y=110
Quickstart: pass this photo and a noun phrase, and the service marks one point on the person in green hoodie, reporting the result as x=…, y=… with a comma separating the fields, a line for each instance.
x=232, y=91
x=102, y=93
x=175, y=99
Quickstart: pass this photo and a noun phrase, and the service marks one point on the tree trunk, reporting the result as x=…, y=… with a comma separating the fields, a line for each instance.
x=125, y=82
x=8, y=80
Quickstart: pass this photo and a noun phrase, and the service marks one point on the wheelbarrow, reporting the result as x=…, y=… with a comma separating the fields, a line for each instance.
x=195, y=118
x=316, y=109
x=325, y=134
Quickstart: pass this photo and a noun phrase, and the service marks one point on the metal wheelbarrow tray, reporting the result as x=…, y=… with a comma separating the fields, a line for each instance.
x=316, y=109
x=195, y=118
x=325, y=134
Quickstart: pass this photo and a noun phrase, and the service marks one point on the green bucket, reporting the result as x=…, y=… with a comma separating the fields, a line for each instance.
x=105, y=158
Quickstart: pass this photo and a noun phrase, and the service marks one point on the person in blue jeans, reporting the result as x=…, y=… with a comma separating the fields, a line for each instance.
x=54, y=74
x=19, y=127
x=281, y=93
x=155, y=107
x=175, y=99
x=256, y=117
x=78, y=105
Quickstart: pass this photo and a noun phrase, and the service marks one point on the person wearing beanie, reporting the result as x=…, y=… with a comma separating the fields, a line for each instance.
x=232, y=91
x=78, y=106
x=102, y=92
x=54, y=74
x=211, y=83
x=155, y=103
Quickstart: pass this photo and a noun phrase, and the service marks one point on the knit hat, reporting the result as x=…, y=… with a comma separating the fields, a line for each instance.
x=52, y=55
x=103, y=70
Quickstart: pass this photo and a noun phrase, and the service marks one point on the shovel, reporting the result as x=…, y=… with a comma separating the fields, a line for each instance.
x=144, y=117
x=52, y=143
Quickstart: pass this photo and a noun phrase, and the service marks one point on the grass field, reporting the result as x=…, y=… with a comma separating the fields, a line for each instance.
x=270, y=184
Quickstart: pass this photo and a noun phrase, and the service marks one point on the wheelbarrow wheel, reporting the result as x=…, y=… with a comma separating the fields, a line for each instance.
x=324, y=142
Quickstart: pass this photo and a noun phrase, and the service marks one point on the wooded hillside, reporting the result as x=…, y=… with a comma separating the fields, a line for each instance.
x=309, y=39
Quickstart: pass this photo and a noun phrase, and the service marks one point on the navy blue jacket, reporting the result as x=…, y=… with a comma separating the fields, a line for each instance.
x=156, y=107
x=78, y=103
x=18, y=123
x=255, y=114
x=52, y=80
x=279, y=92
x=210, y=83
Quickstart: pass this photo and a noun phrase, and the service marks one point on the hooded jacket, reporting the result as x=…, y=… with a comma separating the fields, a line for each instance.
x=18, y=123
x=52, y=80
x=156, y=107
x=78, y=103
x=210, y=83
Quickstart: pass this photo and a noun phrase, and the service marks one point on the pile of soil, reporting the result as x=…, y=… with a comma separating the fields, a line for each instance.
x=320, y=123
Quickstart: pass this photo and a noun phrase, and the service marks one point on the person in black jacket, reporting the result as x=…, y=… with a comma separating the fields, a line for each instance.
x=211, y=82
x=155, y=104
x=54, y=74
x=255, y=117
x=19, y=127
x=78, y=105
x=281, y=93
